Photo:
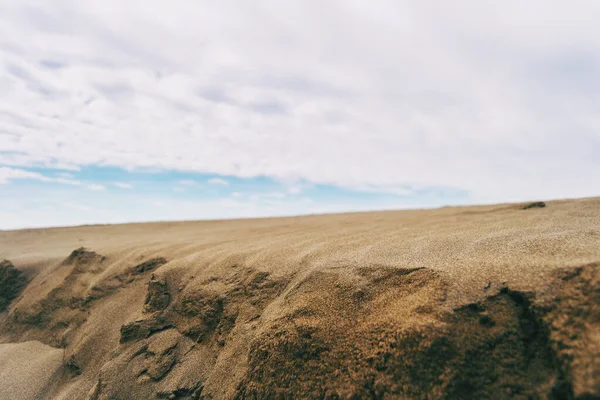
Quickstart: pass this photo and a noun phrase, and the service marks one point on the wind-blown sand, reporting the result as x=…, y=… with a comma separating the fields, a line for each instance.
x=27, y=369
x=458, y=302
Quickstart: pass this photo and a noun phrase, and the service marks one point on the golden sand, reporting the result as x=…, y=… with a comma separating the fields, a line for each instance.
x=402, y=304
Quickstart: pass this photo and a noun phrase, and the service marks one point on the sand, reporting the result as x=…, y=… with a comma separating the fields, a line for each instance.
x=27, y=369
x=458, y=302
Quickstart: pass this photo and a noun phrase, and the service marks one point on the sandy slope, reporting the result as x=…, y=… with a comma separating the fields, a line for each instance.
x=27, y=369
x=488, y=302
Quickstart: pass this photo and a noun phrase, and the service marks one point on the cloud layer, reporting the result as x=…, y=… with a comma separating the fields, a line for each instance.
x=499, y=99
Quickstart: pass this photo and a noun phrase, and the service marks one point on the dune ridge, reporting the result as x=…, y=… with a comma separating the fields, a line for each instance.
x=460, y=302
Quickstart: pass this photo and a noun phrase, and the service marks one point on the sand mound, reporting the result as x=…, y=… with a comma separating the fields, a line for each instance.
x=158, y=353
x=82, y=257
x=500, y=347
x=456, y=303
x=12, y=283
x=537, y=204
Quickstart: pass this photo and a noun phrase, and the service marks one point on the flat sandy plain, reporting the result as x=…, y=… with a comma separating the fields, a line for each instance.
x=458, y=302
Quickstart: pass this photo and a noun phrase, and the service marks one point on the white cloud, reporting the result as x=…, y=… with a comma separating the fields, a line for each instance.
x=294, y=190
x=65, y=175
x=8, y=174
x=218, y=181
x=94, y=186
x=187, y=182
x=77, y=206
x=497, y=99
x=268, y=196
x=123, y=185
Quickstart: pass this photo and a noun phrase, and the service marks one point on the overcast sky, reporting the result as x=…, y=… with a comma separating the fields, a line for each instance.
x=370, y=104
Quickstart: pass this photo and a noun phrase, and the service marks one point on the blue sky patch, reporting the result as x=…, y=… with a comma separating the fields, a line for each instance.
x=33, y=197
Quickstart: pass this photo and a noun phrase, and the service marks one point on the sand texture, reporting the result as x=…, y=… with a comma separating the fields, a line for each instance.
x=27, y=369
x=487, y=302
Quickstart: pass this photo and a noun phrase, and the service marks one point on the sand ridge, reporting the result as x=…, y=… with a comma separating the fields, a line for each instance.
x=320, y=305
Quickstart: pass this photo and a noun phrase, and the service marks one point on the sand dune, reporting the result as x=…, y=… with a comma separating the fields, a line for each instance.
x=458, y=302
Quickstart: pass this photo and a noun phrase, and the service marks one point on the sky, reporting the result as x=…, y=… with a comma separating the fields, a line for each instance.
x=121, y=111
